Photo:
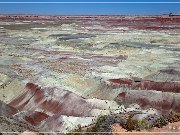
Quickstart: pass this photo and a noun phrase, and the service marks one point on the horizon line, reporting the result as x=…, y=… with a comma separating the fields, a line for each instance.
x=88, y=2
x=41, y=14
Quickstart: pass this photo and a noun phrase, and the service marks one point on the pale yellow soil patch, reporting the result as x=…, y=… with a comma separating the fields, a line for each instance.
x=10, y=91
x=81, y=85
x=3, y=78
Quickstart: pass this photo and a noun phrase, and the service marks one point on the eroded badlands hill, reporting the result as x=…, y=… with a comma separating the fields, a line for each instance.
x=61, y=72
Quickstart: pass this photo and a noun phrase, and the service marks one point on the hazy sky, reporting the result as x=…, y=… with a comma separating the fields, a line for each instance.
x=71, y=9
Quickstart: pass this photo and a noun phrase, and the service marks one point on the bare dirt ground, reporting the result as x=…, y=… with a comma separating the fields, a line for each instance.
x=171, y=128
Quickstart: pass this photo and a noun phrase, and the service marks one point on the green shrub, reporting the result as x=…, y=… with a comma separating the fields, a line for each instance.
x=79, y=128
x=143, y=125
x=164, y=120
x=160, y=122
x=99, y=122
x=135, y=124
x=153, y=41
x=174, y=117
